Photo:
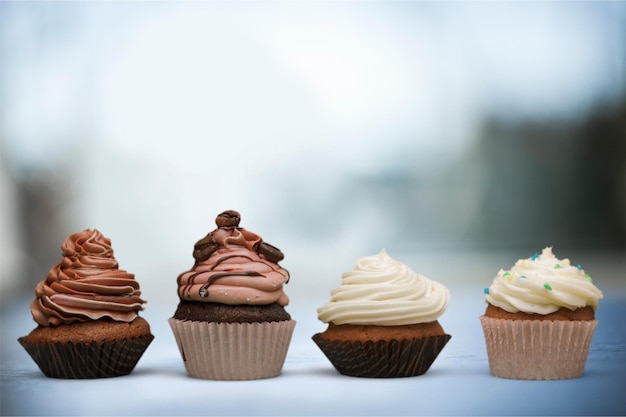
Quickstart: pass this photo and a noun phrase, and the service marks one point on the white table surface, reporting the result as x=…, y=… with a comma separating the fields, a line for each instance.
x=458, y=383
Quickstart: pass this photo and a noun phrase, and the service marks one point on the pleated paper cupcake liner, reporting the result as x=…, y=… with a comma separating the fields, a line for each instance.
x=87, y=360
x=382, y=359
x=233, y=351
x=538, y=350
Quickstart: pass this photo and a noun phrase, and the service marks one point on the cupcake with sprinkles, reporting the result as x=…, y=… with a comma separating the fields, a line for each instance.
x=540, y=319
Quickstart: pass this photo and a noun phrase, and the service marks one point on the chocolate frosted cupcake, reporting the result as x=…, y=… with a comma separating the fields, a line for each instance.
x=230, y=323
x=87, y=314
x=540, y=319
x=383, y=320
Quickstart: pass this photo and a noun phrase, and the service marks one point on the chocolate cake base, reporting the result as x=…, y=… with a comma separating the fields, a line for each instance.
x=90, y=331
x=95, y=349
x=224, y=313
x=585, y=313
x=363, y=333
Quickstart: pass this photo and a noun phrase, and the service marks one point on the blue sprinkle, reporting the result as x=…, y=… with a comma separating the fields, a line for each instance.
x=579, y=267
x=486, y=290
x=534, y=257
x=523, y=276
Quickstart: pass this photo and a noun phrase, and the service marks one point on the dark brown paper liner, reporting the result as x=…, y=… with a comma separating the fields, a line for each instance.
x=535, y=349
x=382, y=359
x=87, y=360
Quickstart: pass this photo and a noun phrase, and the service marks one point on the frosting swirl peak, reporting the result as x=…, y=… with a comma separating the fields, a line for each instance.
x=234, y=266
x=542, y=284
x=382, y=291
x=86, y=285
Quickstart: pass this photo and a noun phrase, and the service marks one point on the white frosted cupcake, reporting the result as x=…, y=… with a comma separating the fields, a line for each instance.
x=540, y=319
x=383, y=320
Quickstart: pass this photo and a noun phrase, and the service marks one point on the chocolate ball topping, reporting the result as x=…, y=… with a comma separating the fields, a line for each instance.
x=229, y=218
x=204, y=248
x=271, y=253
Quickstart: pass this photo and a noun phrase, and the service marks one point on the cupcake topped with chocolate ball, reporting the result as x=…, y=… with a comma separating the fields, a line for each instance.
x=233, y=267
x=233, y=294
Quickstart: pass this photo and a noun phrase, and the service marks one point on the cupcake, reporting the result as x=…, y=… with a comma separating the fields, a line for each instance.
x=540, y=318
x=383, y=320
x=87, y=314
x=230, y=323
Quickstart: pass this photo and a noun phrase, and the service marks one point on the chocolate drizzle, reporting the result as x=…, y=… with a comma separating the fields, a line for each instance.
x=228, y=235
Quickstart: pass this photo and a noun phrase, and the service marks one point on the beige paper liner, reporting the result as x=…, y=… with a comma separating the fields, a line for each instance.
x=382, y=359
x=233, y=351
x=87, y=360
x=535, y=349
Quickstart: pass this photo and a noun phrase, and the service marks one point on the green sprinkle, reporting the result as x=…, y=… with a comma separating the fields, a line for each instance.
x=547, y=286
x=486, y=290
x=557, y=266
x=589, y=278
x=507, y=273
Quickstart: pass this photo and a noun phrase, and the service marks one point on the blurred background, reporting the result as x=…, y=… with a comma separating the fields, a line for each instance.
x=440, y=131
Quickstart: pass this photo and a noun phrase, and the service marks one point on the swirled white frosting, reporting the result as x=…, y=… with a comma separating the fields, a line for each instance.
x=542, y=284
x=382, y=291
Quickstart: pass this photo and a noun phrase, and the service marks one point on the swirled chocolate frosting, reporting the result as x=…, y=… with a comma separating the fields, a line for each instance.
x=86, y=285
x=234, y=266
